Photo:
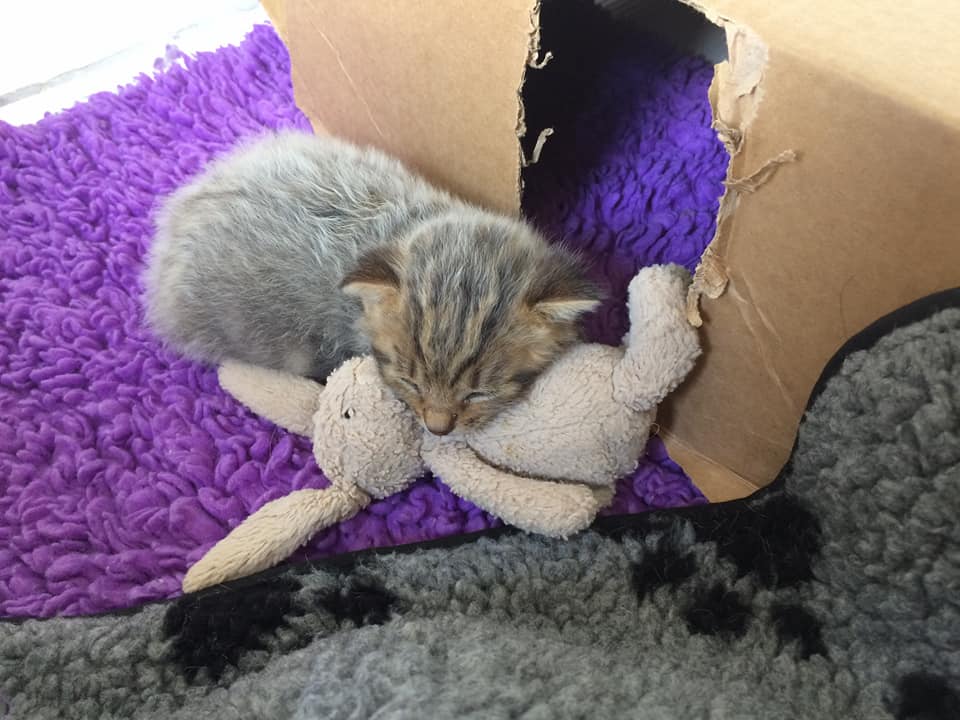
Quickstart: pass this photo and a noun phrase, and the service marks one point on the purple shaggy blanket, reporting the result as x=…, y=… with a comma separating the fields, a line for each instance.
x=121, y=463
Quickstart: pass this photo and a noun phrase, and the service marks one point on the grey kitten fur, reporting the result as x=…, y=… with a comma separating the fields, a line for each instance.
x=248, y=257
x=297, y=252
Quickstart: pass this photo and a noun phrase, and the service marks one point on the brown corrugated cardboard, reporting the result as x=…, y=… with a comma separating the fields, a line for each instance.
x=277, y=12
x=434, y=83
x=843, y=200
x=863, y=222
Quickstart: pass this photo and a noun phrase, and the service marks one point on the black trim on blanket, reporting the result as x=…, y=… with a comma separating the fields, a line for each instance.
x=916, y=311
x=868, y=337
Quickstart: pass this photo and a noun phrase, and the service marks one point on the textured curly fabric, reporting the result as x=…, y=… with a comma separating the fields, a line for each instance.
x=121, y=463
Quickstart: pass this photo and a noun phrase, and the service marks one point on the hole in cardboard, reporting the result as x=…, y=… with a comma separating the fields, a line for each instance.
x=681, y=25
x=633, y=172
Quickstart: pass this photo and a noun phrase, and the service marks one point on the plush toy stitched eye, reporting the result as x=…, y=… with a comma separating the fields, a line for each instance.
x=477, y=397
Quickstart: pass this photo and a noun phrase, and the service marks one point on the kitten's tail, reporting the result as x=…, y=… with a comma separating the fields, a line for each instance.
x=273, y=533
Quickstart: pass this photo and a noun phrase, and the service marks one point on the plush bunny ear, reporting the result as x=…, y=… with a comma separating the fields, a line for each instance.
x=376, y=276
x=561, y=293
x=286, y=400
x=272, y=533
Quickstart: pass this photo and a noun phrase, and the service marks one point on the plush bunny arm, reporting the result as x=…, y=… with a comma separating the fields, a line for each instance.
x=541, y=506
x=286, y=400
x=661, y=346
x=272, y=533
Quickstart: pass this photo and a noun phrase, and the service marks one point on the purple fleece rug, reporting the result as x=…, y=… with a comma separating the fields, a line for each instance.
x=120, y=463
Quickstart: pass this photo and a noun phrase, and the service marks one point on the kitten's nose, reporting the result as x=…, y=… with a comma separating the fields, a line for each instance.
x=439, y=422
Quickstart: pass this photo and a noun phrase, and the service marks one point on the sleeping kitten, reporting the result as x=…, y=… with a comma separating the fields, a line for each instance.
x=297, y=252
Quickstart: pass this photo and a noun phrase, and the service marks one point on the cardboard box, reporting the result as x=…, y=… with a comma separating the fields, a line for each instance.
x=843, y=193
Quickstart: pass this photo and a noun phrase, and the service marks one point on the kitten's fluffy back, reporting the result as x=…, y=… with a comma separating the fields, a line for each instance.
x=464, y=307
x=248, y=256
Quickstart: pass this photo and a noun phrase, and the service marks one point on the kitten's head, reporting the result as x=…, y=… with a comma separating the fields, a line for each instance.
x=466, y=312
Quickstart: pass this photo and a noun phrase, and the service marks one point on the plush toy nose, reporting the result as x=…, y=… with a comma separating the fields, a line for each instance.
x=439, y=422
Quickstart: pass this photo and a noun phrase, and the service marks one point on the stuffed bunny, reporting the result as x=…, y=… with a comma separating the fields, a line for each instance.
x=547, y=465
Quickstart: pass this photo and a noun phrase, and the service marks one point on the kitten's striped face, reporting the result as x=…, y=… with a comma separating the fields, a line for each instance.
x=475, y=381
x=465, y=318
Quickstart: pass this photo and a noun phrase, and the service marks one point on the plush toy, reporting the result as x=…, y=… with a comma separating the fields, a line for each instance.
x=546, y=465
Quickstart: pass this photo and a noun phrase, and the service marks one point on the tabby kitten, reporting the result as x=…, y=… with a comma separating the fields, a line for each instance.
x=297, y=252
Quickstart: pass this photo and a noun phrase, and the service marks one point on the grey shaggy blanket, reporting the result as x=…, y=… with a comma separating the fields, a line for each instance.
x=833, y=594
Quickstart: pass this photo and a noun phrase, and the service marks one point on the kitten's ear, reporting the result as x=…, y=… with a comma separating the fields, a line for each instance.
x=561, y=292
x=375, y=277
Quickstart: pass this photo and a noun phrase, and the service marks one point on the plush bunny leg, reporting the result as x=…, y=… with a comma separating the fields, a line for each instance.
x=661, y=346
x=603, y=495
x=541, y=506
x=286, y=400
x=272, y=533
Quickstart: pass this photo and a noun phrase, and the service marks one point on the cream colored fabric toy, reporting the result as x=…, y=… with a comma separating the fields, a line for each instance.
x=547, y=465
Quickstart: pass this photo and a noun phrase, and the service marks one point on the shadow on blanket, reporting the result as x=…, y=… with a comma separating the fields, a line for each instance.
x=831, y=594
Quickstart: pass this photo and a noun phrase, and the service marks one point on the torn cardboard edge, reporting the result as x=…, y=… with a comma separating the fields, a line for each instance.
x=536, y=62
x=711, y=276
x=735, y=96
x=537, y=149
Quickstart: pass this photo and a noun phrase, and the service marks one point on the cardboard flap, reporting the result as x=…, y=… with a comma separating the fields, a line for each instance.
x=435, y=84
x=842, y=206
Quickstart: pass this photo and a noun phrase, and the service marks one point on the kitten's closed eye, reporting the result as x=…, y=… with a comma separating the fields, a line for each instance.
x=411, y=385
x=477, y=397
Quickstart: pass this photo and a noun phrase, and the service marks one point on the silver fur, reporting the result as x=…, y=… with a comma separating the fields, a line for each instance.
x=248, y=257
x=249, y=260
